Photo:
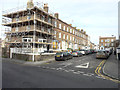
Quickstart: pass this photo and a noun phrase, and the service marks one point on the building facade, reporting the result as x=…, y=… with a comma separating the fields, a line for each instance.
x=29, y=31
x=35, y=29
x=68, y=36
x=106, y=42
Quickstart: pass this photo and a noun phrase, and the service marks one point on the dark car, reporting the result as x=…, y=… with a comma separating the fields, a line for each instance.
x=92, y=51
x=63, y=56
x=87, y=52
x=102, y=55
x=76, y=53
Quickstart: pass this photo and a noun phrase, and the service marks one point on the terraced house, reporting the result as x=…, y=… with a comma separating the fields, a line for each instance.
x=68, y=36
x=33, y=29
x=106, y=42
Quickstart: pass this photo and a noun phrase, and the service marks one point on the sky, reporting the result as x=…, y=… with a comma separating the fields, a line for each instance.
x=96, y=17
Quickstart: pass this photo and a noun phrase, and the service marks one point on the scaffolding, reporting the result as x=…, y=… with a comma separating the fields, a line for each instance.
x=29, y=31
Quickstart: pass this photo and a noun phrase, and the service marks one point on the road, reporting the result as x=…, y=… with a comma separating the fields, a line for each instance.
x=78, y=72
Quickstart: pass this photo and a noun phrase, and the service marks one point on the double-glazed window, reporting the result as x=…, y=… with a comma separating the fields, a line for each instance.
x=70, y=30
x=27, y=39
x=73, y=31
x=101, y=40
x=49, y=30
x=67, y=29
x=63, y=36
x=60, y=26
x=28, y=27
x=59, y=35
x=42, y=40
x=55, y=23
x=16, y=29
x=17, y=18
x=70, y=38
x=29, y=17
x=73, y=38
x=64, y=28
x=42, y=18
x=67, y=37
x=49, y=20
x=55, y=33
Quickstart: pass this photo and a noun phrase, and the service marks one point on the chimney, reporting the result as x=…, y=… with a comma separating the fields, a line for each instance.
x=30, y=4
x=70, y=24
x=46, y=7
x=56, y=15
x=82, y=30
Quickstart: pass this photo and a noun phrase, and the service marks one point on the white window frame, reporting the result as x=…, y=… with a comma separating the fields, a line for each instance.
x=41, y=40
x=63, y=36
x=28, y=27
x=27, y=39
x=60, y=35
x=49, y=30
x=55, y=23
x=73, y=38
x=16, y=29
x=67, y=37
x=64, y=28
x=67, y=29
x=73, y=31
x=70, y=30
x=101, y=40
x=60, y=26
x=70, y=38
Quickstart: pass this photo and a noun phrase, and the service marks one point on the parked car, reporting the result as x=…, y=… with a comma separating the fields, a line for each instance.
x=83, y=51
x=92, y=50
x=76, y=53
x=102, y=54
x=108, y=52
x=63, y=56
x=87, y=52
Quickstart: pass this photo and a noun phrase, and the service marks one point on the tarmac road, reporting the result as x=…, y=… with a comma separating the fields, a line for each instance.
x=78, y=72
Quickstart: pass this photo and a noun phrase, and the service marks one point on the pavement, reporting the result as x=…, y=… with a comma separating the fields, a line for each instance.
x=28, y=62
x=111, y=67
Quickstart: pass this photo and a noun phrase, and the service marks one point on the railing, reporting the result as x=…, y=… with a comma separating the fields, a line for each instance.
x=6, y=20
x=27, y=50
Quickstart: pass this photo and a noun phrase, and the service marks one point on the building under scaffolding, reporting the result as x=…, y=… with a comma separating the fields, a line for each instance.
x=29, y=31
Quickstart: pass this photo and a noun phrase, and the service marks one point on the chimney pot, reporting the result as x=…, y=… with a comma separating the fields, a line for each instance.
x=56, y=15
x=46, y=7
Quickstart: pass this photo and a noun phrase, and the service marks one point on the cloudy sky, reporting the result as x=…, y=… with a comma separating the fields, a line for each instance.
x=96, y=17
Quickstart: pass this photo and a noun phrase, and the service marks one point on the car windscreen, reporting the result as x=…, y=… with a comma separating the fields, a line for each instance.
x=100, y=52
x=59, y=53
x=73, y=51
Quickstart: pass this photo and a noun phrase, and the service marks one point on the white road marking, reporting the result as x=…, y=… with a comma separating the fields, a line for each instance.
x=87, y=75
x=66, y=70
x=68, y=64
x=100, y=77
x=85, y=65
x=76, y=72
x=80, y=71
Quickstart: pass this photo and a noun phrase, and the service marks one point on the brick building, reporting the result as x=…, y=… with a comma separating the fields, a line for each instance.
x=68, y=36
x=106, y=42
x=29, y=31
x=34, y=29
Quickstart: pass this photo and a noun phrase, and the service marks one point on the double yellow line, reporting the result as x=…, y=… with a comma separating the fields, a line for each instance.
x=98, y=69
